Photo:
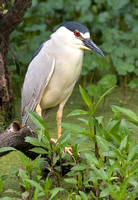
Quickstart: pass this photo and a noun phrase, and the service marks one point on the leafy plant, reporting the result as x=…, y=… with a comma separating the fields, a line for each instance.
x=107, y=168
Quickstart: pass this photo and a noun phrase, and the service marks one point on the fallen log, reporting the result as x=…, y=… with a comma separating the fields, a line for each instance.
x=14, y=136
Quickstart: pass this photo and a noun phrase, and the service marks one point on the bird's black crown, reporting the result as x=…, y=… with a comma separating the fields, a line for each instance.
x=72, y=26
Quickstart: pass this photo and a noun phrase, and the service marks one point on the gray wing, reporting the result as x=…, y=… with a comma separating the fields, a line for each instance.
x=37, y=77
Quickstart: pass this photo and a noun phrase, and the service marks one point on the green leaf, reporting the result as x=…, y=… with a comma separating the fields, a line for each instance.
x=94, y=90
x=36, y=162
x=55, y=191
x=104, y=192
x=101, y=98
x=73, y=127
x=83, y=195
x=6, y=198
x=134, y=168
x=86, y=98
x=123, y=143
x=64, y=138
x=71, y=180
x=91, y=159
x=35, y=142
x=133, y=84
x=78, y=112
x=108, y=81
x=35, y=184
x=4, y=149
x=132, y=153
x=38, y=120
x=79, y=167
x=103, y=143
x=39, y=150
x=129, y=113
x=25, y=160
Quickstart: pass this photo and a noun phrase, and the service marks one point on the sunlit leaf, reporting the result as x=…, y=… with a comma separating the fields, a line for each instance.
x=86, y=98
x=129, y=113
x=55, y=191
x=4, y=149
x=73, y=127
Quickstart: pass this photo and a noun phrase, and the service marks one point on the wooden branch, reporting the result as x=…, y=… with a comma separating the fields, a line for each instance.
x=14, y=136
x=14, y=16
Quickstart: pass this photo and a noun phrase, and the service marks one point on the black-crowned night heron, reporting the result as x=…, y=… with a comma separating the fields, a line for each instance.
x=54, y=69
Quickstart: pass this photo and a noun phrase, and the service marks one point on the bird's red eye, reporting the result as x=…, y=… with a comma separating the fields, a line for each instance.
x=76, y=33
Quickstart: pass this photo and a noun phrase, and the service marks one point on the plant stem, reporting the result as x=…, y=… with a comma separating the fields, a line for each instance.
x=96, y=146
x=92, y=76
x=60, y=170
x=124, y=87
x=103, y=104
x=52, y=169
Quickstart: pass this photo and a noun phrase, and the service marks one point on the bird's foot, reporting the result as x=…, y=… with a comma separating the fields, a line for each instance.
x=66, y=150
x=54, y=140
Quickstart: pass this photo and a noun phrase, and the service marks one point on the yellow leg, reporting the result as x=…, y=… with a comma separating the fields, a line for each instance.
x=59, y=120
x=38, y=110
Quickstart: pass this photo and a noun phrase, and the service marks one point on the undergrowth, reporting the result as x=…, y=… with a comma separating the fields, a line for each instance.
x=106, y=170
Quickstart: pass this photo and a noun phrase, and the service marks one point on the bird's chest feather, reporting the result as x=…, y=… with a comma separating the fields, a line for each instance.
x=66, y=73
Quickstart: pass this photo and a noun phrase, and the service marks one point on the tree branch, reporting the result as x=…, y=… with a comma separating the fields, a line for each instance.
x=14, y=16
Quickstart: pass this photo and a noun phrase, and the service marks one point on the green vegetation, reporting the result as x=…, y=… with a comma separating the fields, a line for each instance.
x=108, y=166
x=107, y=143
x=113, y=26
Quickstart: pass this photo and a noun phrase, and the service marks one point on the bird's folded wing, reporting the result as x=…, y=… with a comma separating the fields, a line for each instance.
x=37, y=77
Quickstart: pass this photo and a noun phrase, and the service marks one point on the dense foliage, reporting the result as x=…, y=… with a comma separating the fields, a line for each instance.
x=108, y=166
x=112, y=24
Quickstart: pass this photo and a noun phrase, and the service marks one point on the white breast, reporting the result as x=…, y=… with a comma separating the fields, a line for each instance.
x=67, y=71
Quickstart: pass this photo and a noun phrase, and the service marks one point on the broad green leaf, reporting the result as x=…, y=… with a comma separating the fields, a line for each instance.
x=103, y=173
x=132, y=153
x=35, y=184
x=85, y=120
x=64, y=138
x=6, y=198
x=71, y=180
x=103, y=143
x=4, y=149
x=78, y=112
x=25, y=160
x=129, y=113
x=133, y=83
x=83, y=195
x=39, y=150
x=79, y=167
x=38, y=120
x=73, y=127
x=108, y=81
x=112, y=169
x=134, y=168
x=91, y=159
x=36, y=142
x=94, y=90
x=86, y=98
x=101, y=98
x=104, y=192
x=55, y=191
x=123, y=143
x=36, y=162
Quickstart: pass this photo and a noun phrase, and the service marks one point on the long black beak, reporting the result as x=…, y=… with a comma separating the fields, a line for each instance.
x=91, y=45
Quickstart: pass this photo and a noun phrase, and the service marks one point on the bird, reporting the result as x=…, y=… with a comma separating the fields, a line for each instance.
x=54, y=70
